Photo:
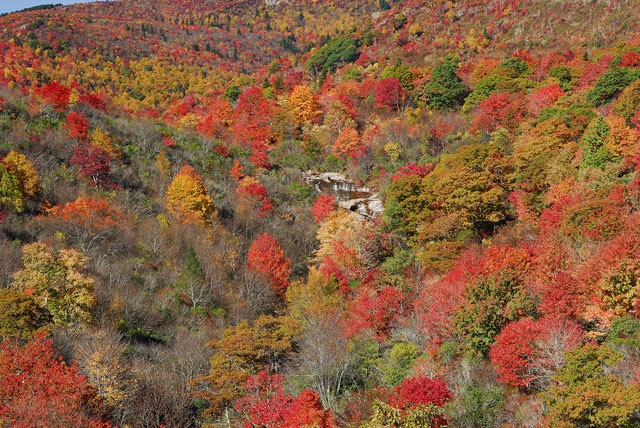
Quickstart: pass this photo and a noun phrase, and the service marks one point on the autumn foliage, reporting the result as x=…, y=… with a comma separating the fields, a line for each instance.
x=322, y=207
x=527, y=352
x=267, y=259
x=77, y=125
x=255, y=196
x=55, y=94
x=478, y=265
x=252, y=118
x=304, y=104
x=242, y=351
x=19, y=181
x=266, y=404
x=187, y=198
x=348, y=144
x=389, y=93
x=95, y=164
x=57, y=282
x=39, y=389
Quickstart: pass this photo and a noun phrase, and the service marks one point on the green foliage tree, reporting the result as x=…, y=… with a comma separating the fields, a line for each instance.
x=478, y=406
x=564, y=76
x=445, y=88
x=399, y=21
x=387, y=416
x=594, y=150
x=399, y=361
x=625, y=332
x=20, y=316
x=336, y=51
x=485, y=87
x=586, y=394
x=367, y=33
x=405, y=204
x=628, y=101
x=402, y=73
x=57, y=282
x=231, y=93
x=513, y=68
x=492, y=302
x=190, y=285
x=611, y=83
x=509, y=76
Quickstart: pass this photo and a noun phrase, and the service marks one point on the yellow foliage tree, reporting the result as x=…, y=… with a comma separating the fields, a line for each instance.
x=304, y=104
x=244, y=350
x=313, y=297
x=341, y=225
x=465, y=190
x=102, y=139
x=621, y=140
x=163, y=163
x=56, y=282
x=101, y=359
x=393, y=150
x=27, y=176
x=10, y=195
x=187, y=198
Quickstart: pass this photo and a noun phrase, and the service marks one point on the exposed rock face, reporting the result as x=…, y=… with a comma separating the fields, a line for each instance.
x=362, y=201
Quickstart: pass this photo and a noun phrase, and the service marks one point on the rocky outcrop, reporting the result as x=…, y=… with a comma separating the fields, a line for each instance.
x=362, y=201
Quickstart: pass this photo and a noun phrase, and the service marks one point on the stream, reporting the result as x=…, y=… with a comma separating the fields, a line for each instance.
x=363, y=201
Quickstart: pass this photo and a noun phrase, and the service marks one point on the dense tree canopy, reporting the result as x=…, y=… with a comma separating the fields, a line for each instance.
x=376, y=213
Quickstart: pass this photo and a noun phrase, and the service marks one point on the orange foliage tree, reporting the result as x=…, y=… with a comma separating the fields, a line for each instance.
x=348, y=144
x=86, y=222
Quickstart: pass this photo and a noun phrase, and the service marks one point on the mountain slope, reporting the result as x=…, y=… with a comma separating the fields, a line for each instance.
x=185, y=191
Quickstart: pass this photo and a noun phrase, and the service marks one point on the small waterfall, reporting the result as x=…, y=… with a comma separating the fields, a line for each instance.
x=363, y=201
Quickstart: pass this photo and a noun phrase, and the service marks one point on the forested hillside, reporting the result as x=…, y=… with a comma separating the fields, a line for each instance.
x=320, y=214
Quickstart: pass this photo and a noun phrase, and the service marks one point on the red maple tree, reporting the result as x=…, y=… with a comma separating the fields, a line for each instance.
x=322, y=207
x=94, y=100
x=528, y=350
x=377, y=311
x=40, y=390
x=255, y=193
x=267, y=259
x=252, y=118
x=77, y=125
x=389, y=93
x=94, y=163
x=55, y=95
x=268, y=405
x=421, y=390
